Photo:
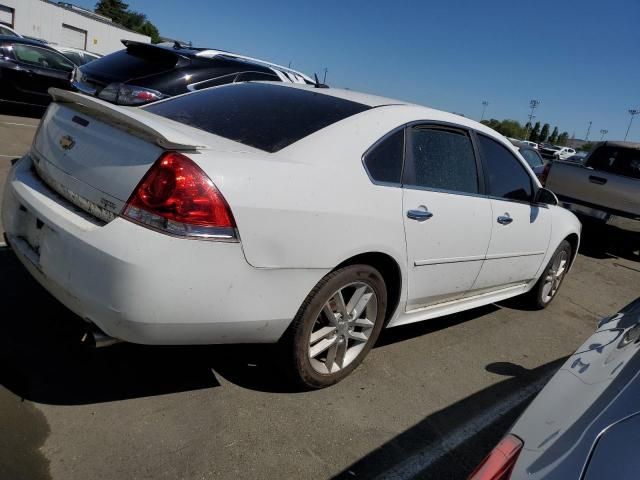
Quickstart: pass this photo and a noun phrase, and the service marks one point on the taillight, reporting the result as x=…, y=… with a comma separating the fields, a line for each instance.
x=544, y=174
x=498, y=465
x=123, y=94
x=176, y=197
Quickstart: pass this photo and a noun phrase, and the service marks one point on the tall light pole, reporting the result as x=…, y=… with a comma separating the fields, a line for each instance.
x=603, y=132
x=633, y=112
x=533, y=104
x=586, y=137
x=484, y=107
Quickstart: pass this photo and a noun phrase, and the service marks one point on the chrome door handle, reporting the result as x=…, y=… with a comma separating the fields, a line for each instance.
x=505, y=219
x=419, y=215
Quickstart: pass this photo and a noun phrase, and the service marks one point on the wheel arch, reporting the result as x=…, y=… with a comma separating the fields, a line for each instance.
x=391, y=274
x=574, y=241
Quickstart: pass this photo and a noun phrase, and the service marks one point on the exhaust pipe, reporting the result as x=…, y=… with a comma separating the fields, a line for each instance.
x=97, y=338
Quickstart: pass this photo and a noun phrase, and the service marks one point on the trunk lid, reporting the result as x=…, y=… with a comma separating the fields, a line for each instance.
x=94, y=153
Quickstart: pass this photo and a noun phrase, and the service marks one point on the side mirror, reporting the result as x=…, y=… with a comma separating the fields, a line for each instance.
x=546, y=196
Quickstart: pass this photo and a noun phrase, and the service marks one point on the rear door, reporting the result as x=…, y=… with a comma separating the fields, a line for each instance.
x=521, y=229
x=40, y=69
x=447, y=218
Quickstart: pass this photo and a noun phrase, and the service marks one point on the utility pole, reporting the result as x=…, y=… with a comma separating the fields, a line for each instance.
x=586, y=137
x=484, y=107
x=603, y=132
x=533, y=104
x=633, y=112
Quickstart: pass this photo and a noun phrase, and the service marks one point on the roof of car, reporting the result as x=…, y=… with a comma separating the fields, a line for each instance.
x=618, y=143
x=26, y=41
x=210, y=54
x=413, y=109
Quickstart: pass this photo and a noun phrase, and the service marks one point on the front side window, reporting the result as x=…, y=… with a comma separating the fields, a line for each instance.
x=384, y=161
x=505, y=176
x=41, y=57
x=441, y=158
x=619, y=161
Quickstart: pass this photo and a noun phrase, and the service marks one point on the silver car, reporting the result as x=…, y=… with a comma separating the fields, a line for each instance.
x=585, y=423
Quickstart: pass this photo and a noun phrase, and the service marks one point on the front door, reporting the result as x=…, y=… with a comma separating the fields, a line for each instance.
x=447, y=220
x=40, y=69
x=521, y=229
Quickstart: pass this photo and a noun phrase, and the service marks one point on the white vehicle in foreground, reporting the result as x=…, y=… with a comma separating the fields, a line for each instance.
x=272, y=212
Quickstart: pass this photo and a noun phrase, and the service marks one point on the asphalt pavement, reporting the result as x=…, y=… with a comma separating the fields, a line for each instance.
x=430, y=400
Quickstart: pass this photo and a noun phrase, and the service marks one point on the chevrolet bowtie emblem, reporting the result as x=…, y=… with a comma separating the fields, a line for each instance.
x=66, y=142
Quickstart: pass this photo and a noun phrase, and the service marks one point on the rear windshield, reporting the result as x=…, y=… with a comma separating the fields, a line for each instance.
x=265, y=116
x=132, y=63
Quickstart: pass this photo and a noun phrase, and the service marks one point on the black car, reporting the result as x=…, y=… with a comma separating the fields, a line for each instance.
x=28, y=68
x=535, y=161
x=143, y=73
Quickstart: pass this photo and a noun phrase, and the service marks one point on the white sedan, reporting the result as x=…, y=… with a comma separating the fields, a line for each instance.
x=263, y=212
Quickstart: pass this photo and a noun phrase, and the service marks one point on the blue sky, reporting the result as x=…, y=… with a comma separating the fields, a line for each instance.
x=580, y=58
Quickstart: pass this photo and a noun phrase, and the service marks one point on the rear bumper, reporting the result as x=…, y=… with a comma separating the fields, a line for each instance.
x=613, y=218
x=142, y=286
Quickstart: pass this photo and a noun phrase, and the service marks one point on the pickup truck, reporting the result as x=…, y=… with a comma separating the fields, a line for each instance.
x=606, y=187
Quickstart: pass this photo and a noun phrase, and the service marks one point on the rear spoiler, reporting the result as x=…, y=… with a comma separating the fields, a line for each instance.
x=132, y=119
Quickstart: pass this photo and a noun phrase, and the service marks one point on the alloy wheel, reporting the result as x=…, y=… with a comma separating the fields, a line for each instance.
x=555, y=275
x=342, y=328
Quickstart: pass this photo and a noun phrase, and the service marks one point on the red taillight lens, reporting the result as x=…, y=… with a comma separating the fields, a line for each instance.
x=498, y=465
x=544, y=174
x=176, y=196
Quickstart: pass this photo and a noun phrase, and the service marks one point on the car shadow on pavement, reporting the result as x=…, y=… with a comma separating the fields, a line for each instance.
x=21, y=110
x=605, y=241
x=42, y=359
x=453, y=426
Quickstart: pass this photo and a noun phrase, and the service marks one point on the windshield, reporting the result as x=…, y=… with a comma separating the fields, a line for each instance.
x=261, y=115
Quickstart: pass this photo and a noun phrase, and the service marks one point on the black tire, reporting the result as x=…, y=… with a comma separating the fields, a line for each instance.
x=536, y=297
x=295, y=342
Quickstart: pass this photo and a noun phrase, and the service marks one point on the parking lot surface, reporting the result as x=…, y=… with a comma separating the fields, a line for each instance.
x=430, y=400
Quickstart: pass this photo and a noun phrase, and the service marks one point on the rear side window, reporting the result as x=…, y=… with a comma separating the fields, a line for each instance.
x=506, y=177
x=237, y=77
x=266, y=116
x=384, y=160
x=441, y=159
x=42, y=57
x=619, y=161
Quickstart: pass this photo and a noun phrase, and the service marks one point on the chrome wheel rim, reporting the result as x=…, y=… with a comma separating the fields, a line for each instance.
x=342, y=328
x=554, y=276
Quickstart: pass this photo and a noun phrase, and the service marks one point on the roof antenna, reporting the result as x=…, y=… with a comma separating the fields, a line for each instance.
x=318, y=84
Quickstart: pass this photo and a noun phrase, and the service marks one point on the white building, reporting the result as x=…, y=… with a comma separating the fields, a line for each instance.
x=66, y=25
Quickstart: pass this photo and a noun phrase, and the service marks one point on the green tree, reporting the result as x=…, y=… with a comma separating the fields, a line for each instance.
x=554, y=135
x=119, y=12
x=116, y=10
x=534, y=136
x=544, y=133
x=150, y=29
x=563, y=138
